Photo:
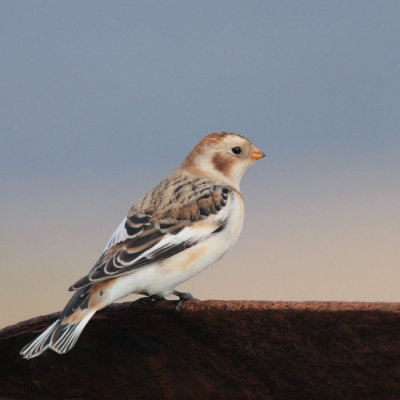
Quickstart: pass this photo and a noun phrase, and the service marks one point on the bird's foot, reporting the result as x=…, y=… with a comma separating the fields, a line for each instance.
x=149, y=299
x=182, y=297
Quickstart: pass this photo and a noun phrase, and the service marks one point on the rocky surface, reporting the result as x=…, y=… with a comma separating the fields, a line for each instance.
x=215, y=350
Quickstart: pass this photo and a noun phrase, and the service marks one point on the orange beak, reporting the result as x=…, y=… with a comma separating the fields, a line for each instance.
x=257, y=154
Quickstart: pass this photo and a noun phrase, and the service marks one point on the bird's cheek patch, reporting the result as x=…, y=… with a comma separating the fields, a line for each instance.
x=222, y=163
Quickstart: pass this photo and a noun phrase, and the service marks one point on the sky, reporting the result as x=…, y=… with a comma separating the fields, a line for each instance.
x=100, y=100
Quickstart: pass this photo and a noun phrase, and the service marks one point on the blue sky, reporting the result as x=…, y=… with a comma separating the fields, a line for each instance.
x=100, y=100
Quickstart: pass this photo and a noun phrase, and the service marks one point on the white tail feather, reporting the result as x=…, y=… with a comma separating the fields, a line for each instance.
x=68, y=339
x=40, y=344
x=65, y=339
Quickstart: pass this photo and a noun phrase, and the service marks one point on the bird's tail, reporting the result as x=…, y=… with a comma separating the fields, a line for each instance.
x=59, y=336
x=62, y=335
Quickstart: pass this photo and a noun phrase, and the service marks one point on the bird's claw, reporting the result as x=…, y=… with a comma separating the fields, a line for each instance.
x=183, y=296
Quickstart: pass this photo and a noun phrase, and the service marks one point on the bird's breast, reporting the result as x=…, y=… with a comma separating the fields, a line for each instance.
x=206, y=252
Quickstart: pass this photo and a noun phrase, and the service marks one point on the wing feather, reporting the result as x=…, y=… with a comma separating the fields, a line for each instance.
x=163, y=229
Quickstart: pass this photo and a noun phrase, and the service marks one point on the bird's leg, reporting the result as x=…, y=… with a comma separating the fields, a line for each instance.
x=182, y=297
x=149, y=299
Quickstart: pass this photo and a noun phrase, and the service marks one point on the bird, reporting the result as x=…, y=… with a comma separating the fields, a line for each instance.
x=183, y=225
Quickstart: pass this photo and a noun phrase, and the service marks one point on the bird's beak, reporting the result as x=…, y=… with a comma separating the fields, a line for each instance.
x=257, y=154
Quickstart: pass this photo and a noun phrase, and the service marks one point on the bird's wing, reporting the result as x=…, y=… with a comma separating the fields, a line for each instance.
x=146, y=237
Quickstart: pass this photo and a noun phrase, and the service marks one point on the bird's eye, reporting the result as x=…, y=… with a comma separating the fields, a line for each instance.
x=236, y=150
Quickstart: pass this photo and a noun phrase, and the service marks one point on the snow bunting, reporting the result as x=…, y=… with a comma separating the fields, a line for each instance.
x=182, y=226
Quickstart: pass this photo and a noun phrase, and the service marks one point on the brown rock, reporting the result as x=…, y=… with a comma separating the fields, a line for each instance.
x=215, y=350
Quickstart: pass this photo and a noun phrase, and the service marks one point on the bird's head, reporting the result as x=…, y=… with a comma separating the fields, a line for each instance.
x=223, y=156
